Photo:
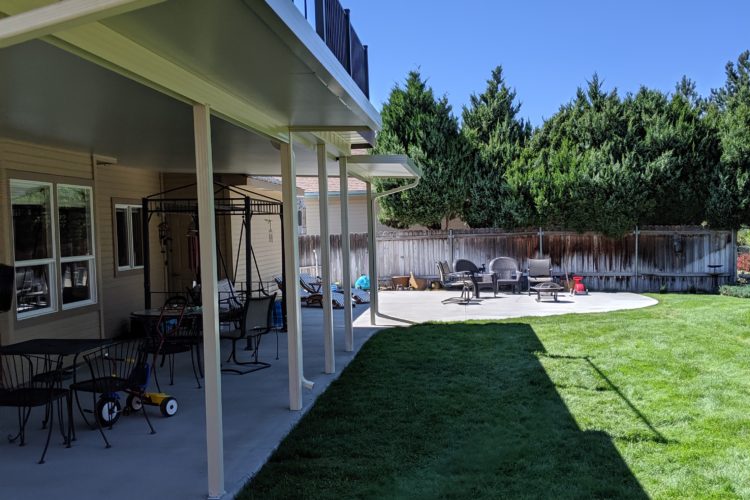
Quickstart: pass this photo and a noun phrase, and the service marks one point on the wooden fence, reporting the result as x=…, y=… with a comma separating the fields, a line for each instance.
x=674, y=259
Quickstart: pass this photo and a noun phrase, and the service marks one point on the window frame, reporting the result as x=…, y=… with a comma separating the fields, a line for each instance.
x=55, y=261
x=90, y=259
x=51, y=262
x=131, y=268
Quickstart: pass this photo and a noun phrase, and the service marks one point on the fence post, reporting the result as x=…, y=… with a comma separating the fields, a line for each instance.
x=450, y=241
x=637, y=232
x=541, y=243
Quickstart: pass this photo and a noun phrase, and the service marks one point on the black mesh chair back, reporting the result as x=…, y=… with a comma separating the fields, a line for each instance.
x=121, y=367
x=463, y=265
x=28, y=382
x=256, y=321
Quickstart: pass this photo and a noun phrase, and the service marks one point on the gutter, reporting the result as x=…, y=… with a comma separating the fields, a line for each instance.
x=374, y=301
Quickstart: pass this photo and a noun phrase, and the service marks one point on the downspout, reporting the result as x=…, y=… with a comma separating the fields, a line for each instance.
x=374, y=311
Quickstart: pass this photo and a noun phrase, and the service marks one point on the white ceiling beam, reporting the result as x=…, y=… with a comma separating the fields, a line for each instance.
x=48, y=19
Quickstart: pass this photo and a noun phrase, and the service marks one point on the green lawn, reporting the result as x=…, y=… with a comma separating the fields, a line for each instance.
x=647, y=403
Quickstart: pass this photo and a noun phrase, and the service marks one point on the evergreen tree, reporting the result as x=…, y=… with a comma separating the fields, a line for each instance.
x=729, y=204
x=418, y=124
x=496, y=136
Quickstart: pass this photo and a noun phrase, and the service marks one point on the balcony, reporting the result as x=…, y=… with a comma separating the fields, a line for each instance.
x=332, y=23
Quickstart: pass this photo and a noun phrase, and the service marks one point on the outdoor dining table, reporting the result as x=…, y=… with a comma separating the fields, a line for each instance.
x=58, y=348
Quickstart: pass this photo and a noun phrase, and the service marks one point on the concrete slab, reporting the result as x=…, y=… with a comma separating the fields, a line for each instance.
x=172, y=463
x=405, y=307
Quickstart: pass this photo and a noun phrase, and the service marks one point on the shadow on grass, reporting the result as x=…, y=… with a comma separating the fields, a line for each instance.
x=445, y=410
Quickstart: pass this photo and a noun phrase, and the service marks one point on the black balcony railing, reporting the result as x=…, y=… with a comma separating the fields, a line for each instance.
x=333, y=24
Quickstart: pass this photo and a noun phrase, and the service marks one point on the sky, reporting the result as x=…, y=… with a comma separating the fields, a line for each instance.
x=548, y=48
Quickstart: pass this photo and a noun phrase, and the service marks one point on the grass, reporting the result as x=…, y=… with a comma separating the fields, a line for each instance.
x=635, y=404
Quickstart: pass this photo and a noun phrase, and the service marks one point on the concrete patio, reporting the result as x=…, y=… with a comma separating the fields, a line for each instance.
x=172, y=463
x=404, y=307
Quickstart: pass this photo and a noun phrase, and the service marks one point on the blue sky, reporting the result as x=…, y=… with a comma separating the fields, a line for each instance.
x=548, y=48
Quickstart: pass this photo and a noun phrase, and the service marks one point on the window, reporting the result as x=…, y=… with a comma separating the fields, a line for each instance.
x=76, y=244
x=46, y=271
x=129, y=236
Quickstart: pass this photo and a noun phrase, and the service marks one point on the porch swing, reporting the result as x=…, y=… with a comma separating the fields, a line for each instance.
x=228, y=201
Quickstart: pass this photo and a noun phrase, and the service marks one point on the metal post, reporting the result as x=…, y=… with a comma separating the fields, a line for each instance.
x=346, y=258
x=371, y=255
x=248, y=249
x=320, y=19
x=210, y=299
x=348, y=41
x=325, y=261
x=146, y=255
x=367, y=72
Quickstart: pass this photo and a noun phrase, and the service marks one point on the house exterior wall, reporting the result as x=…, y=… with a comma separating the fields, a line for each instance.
x=122, y=292
x=357, y=214
x=117, y=294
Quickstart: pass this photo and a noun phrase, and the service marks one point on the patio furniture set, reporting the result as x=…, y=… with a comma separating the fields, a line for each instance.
x=46, y=372
x=501, y=272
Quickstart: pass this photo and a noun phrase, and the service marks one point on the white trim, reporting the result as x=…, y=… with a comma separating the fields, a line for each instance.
x=62, y=15
x=129, y=208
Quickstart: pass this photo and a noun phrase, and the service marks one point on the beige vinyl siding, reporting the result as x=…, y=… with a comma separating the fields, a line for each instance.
x=74, y=326
x=268, y=254
x=123, y=292
x=44, y=160
x=357, y=214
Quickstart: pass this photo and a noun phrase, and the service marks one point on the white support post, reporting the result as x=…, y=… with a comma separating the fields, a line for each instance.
x=291, y=282
x=211, y=355
x=371, y=255
x=325, y=261
x=346, y=273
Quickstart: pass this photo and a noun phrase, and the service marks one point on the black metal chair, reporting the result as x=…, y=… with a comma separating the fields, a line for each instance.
x=256, y=321
x=173, y=333
x=539, y=271
x=28, y=382
x=121, y=367
x=473, y=271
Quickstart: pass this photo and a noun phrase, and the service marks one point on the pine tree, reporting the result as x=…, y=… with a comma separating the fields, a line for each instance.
x=418, y=124
x=496, y=136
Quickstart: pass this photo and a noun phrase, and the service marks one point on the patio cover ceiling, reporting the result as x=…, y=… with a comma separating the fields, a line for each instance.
x=62, y=98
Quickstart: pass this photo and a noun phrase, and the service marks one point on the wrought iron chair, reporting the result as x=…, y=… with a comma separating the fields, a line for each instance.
x=115, y=368
x=506, y=273
x=173, y=333
x=28, y=382
x=256, y=321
